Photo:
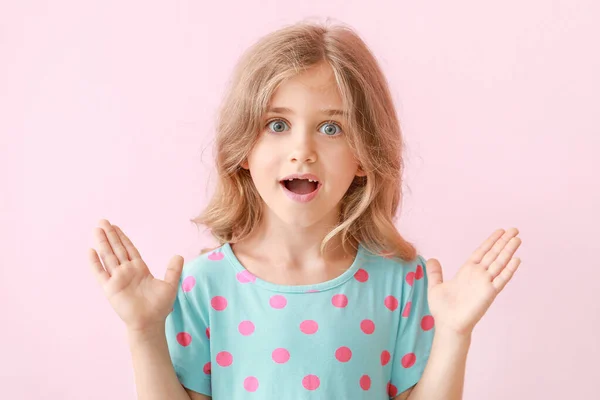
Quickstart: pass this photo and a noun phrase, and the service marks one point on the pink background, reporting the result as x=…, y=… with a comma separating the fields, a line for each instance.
x=107, y=111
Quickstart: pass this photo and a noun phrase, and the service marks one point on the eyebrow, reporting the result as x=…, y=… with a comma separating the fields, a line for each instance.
x=285, y=110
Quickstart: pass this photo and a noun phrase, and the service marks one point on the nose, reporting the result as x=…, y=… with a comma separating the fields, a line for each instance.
x=303, y=146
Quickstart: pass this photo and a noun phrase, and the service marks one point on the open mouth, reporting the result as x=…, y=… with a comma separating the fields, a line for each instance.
x=300, y=186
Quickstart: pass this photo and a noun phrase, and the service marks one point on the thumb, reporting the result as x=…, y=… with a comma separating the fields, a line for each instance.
x=174, y=268
x=434, y=273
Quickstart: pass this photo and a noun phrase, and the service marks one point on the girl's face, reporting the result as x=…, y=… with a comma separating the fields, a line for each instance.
x=300, y=136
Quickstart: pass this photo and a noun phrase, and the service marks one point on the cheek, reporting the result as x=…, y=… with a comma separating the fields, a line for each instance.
x=264, y=166
x=262, y=156
x=341, y=162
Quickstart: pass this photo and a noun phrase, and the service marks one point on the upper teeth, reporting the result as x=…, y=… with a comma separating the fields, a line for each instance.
x=310, y=180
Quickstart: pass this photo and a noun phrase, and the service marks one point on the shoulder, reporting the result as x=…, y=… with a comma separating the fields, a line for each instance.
x=400, y=279
x=208, y=268
x=201, y=275
x=393, y=267
x=206, y=261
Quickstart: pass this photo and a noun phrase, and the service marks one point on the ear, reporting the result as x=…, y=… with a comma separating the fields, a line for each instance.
x=244, y=164
x=360, y=171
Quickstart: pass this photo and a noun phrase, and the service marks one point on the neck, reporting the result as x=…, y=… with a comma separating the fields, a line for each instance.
x=294, y=247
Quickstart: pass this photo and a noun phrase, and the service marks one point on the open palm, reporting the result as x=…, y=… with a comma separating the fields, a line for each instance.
x=458, y=304
x=140, y=300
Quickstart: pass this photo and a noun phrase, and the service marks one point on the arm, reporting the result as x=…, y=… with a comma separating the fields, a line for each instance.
x=155, y=377
x=444, y=374
x=404, y=395
x=459, y=304
x=196, y=396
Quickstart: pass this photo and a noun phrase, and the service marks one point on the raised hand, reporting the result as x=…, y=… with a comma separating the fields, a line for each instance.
x=140, y=300
x=458, y=304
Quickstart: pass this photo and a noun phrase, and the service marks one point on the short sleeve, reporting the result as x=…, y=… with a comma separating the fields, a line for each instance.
x=188, y=340
x=415, y=332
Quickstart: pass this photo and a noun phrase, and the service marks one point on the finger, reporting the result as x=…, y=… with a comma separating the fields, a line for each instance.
x=115, y=242
x=174, y=268
x=131, y=250
x=478, y=254
x=99, y=272
x=507, y=273
x=108, y=258
x=504, y=257
x=492, y=254
x=434, y=273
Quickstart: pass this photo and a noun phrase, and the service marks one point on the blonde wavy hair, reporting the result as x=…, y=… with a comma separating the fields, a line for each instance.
x=368, y=209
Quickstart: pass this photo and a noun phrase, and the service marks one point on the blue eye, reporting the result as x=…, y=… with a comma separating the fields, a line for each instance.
x=278, y=122
x=328, y=131
x=279, y=125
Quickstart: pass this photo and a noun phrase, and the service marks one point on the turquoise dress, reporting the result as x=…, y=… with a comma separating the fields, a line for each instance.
x=366, y=334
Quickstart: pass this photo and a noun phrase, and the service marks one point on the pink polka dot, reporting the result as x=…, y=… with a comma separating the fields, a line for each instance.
x=311, y=382
x=246, y=328
x=309, y=326
x=385, y=357
x=245, y=277
x=408, y=360
x=343, y=354
x=219, y=303
x=224, y=359
x=410, y=278
x=407, y=307
x=367, y=326
x=184, y=338
x=278, y=301
x=419, y=272
x=392, y=390
x=215, y=256
x=280, y=355
x=427, y=322
x=361, y=275
x=251, y=384
x=188, y=283
x=207, y=369
x=339, y=300
x=391, y=303
x=365, y=382
x=207, y=333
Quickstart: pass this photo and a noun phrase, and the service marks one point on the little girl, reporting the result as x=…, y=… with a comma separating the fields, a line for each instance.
x=312, y=293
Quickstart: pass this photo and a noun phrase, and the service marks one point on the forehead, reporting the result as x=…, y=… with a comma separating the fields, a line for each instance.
x=313, y=88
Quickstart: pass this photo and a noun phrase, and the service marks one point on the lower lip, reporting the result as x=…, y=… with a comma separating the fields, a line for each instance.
x=301, y=198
